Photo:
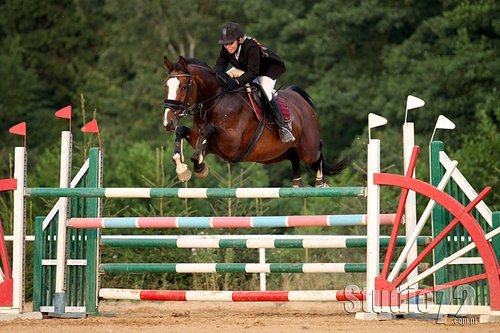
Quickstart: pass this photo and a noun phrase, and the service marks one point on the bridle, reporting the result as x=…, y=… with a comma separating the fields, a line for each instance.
x=181, y=109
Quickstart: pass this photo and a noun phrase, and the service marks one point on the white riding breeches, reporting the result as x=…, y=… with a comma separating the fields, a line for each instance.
x=267, y=85
x=266, y=82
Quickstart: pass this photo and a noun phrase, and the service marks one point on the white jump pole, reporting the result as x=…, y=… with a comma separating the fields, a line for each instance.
x=19, y=230
x=64, y=182
x=373, y=227
x=412, y=103
x=411, y=201
x=373, y=220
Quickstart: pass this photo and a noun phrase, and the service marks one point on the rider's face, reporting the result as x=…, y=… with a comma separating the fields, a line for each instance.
x=231, y=47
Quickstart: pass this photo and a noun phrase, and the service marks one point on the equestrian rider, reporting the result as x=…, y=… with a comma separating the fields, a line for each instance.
x=259, y=64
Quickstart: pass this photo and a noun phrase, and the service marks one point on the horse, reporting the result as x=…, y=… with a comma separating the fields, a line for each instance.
x=224, y=124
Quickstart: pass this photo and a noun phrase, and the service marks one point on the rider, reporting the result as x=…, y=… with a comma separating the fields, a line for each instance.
x=259, y=64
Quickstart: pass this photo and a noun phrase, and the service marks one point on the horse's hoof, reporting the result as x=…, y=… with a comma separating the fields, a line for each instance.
x=185, y=177
x=321, y=185
x=183, y=172
x=297, y=183
x=203, y=173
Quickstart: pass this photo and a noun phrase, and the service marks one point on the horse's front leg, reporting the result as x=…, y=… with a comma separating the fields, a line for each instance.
x=204, y=136
x=181, y=168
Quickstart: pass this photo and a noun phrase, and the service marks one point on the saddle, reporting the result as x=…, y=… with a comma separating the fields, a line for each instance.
x=257, y=98
x=263, y=107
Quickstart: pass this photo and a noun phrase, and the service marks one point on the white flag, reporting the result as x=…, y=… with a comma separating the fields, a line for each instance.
x=444, y=123
x=375, y=120
x=413, y=102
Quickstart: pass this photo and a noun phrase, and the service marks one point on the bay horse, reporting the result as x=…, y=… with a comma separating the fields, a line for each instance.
x=225, y=125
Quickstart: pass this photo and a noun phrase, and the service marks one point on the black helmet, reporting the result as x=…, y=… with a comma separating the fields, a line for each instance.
x=230, y=32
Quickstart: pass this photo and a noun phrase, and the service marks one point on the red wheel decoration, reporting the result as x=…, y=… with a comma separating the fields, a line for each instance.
x=386, y=290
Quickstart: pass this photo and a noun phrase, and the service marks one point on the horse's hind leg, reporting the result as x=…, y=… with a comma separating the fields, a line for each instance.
x=297, y=178
x=320, y=177
x=199, y=166
x=181, y=168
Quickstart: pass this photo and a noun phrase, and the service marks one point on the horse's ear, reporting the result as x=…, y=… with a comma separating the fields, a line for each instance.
x=182, y=62
x=168, y=65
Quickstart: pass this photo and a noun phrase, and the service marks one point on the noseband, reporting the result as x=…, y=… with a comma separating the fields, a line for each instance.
x=181, y=109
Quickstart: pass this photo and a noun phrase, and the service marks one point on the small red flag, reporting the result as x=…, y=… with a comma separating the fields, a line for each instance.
x=19, y=129
x=64, y=113
x=91, y=127
x=9, y=184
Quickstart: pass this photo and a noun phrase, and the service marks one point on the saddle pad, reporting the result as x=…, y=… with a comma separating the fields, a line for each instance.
x=284, y=109
x=256, y=107
x=258, y=110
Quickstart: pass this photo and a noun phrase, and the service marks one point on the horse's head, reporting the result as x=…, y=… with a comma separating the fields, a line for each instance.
x=180, y=91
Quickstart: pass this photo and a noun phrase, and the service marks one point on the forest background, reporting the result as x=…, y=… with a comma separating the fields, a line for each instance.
x=353, y=57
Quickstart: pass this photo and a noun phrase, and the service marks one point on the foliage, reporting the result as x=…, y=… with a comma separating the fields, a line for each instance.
x=105, y=59
x=480, y=145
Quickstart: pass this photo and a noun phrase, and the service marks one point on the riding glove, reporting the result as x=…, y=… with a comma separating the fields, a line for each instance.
x=223, y=75
x=231, y=84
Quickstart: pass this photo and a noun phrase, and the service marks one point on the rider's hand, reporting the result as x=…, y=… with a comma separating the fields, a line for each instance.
x=223, y=75
x=231, y=84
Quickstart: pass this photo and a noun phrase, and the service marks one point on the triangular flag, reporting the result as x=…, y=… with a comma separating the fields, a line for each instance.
x=413, y=102
x=374, y=120
x=444, y=123
x=91, y=127
x=64, y=113
x=19, y=129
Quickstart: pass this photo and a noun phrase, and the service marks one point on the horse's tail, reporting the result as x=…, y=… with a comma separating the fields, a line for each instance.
x=302, y=93
x=328, y=168
x=333, y=169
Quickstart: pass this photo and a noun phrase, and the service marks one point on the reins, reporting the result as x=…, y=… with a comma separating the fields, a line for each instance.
x=257, y=132
x=186, y=109
x=198, y=107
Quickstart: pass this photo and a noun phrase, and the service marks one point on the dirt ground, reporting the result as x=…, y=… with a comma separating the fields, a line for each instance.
x=198, y=317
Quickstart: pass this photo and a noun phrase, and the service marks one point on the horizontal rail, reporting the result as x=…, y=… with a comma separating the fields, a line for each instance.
x=257, y=192
x=235, y=268
x=232, y=296
x=226, y=222
x=255, y=242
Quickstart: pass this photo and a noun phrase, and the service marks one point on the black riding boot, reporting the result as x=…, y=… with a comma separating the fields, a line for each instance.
x=285, y=134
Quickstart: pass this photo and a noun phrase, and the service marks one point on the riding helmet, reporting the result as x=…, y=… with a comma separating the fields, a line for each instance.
x=230, y=32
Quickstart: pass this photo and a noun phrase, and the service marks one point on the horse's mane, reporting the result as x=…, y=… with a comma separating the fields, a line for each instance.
x=196, y=61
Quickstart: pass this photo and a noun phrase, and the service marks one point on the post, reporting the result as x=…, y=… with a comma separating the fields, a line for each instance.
x=19, y=230
x=373, y=227
x=37, y=264
x=411, y=201
x=64, y=182
x=93, y=209
x=262, y=260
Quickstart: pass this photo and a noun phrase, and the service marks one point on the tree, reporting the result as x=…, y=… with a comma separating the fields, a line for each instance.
x=451, y=62
x=46, y=43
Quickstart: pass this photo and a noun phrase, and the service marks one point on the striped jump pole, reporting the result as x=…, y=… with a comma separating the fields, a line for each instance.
x=227, y=222
x=248, y=241
x=235, y=268
x=200, y=193
x=232, y=296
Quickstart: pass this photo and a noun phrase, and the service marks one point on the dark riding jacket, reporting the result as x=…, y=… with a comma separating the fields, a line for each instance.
x=253, y=60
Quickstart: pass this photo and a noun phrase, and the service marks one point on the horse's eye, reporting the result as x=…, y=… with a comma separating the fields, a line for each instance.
x=183, y=88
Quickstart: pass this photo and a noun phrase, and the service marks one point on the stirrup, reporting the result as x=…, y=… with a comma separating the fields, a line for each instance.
x=286, y=135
